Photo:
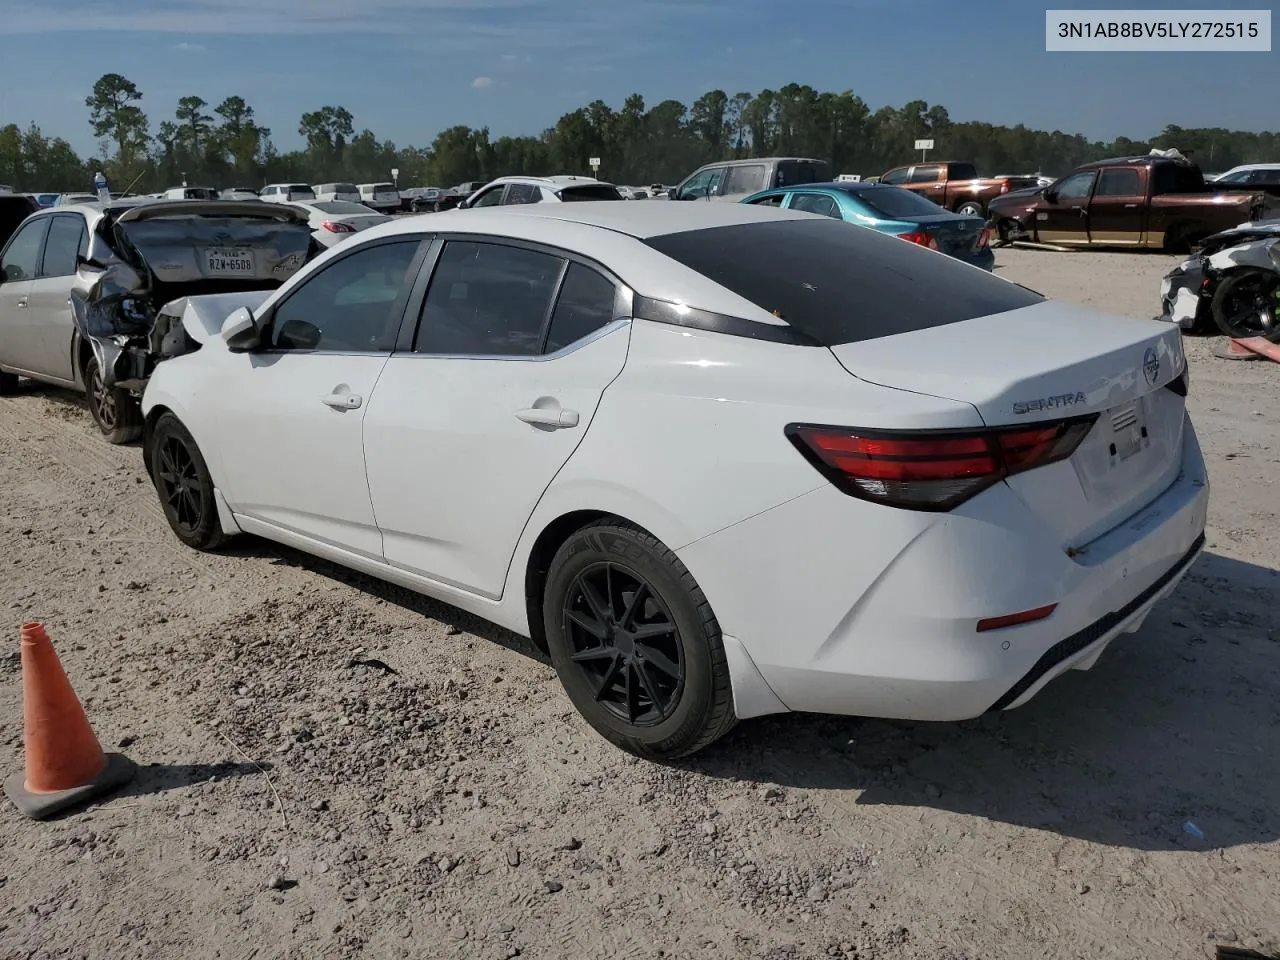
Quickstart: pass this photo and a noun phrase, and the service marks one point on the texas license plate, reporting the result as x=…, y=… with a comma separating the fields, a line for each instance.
x=224, y=262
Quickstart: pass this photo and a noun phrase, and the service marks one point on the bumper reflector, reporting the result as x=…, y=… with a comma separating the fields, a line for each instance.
x=1015, y=619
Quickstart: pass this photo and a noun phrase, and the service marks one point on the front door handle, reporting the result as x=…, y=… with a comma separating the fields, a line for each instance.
x=343, y=401
x=549, y=418
x=22, y=301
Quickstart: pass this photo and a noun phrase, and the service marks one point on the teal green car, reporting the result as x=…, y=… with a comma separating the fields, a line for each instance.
x=890, y=210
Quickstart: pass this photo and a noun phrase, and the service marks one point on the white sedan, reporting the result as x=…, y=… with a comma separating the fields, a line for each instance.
x=333, y=221
x=719, y=461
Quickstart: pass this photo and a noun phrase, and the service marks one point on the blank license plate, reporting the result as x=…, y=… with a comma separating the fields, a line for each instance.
x=1128, y=433
x=221, y=262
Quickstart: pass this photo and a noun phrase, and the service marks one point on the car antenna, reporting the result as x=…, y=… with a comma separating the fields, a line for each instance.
x=135, y=180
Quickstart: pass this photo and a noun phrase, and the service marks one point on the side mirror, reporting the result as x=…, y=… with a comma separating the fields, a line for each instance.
x=298, y=335
x=240, y=330
x=462, y=204
x=1050, y=197
x=83, y=261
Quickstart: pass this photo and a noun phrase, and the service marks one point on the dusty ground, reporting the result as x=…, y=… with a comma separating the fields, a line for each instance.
x=458, y=808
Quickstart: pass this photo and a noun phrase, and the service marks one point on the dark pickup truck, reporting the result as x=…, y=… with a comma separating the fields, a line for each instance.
x=954, y=185
x=1152, y=202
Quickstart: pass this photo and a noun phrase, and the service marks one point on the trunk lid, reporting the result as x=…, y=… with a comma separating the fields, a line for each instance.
x=1047, y=362
x=956, y=236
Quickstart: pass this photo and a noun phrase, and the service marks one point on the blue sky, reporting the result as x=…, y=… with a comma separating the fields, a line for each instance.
x=408, y=68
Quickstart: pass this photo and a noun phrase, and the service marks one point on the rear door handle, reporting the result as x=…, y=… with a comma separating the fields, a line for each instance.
x=22, y=301
x=1131, y=206
x=549, y=418
x=343, y=401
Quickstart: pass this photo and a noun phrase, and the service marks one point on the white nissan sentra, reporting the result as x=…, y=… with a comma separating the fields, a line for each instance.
x=718, y=461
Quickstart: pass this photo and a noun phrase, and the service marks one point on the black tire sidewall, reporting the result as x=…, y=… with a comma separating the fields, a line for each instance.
x=209, y=532
x=128, y=410
x=1217, y=306
x=620, y=545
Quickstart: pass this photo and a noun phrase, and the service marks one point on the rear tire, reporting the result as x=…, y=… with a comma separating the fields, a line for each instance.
x=636, y=644
x=970, y=209
x=8, y=384
x=184, y=485
x=117, y=412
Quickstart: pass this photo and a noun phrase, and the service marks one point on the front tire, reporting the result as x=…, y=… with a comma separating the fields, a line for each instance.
x=636, y=644
x=8, y=384
x=182, y=480
x=116, y=412
x=1246, y=305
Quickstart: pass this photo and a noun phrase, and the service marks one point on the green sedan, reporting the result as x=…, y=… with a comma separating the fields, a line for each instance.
x=890, y=210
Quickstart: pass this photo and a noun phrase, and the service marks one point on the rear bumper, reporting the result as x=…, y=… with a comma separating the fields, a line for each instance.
x=883, y=621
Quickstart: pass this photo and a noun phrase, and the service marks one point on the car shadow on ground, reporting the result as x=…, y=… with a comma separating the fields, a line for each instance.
x=1174, y=724
x=452, y=617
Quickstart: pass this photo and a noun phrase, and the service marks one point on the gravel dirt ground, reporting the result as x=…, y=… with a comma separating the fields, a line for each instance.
x=335, y=768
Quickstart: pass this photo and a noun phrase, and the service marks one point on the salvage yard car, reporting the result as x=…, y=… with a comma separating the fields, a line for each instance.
x=720, y=460
x=1143, y=201
x=81, y=288
x=1232, y=281
x=890, y=210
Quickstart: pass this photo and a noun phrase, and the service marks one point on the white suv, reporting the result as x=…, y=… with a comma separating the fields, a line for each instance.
x=566, y=189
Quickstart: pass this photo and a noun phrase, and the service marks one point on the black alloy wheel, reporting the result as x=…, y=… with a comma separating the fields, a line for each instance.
x=182, y=481
x=635, y=642
x=626, y=643
x=1247, y=304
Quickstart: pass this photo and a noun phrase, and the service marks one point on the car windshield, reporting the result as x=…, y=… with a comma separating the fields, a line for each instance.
x=340, y=206
x=894, y=202
x=591, y=191
x=837, y=284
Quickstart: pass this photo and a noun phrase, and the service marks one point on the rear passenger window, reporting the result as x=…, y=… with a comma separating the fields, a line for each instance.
x=1118, y=182
x=487, y=299
x=815, y=203
x=65, y=238
x=585, y=305
x=522, y=193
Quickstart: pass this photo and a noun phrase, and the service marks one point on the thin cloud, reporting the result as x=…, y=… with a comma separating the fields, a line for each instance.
x=482, y=83
x=185, y=47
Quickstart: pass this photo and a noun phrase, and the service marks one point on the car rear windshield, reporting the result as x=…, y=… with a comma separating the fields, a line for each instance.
x=341, y=206
x=384, y=188
x=837, y=283
x=591, y=191
x=962, y=171
x=894, y=202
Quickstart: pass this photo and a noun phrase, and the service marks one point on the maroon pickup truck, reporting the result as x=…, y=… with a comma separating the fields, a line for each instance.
x=1125, y=202
x=954, y=185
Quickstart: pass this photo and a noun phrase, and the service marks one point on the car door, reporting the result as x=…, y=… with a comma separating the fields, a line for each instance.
x=702, y=185
x=1118, y=210
x=1063, y=213
x=19, y=266
x=927, y=179
x=471, y=422
x=49, y=307
x=290, y=437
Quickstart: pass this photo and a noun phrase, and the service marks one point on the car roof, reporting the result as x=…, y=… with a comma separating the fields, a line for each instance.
x=559, y=180
x=1252, y=166
x=638, y=220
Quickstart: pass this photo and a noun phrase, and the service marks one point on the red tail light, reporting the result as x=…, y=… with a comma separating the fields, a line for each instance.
x=921, y=237
x=1004, y=186
x=338, y=227
x=984, y=238
x=932, y=469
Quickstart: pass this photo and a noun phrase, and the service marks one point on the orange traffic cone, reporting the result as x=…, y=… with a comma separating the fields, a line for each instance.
x=65, y=762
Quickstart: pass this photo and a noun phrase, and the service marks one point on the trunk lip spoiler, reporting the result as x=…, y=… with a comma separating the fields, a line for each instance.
x=238, y=209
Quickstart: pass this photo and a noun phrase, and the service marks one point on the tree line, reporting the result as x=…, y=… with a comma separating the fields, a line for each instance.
x=224, y=145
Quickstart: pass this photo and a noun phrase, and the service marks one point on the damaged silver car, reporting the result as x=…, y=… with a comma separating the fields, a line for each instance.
x=1232, y=282
x=83, y=289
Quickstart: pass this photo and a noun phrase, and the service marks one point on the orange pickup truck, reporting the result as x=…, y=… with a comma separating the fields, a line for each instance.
x=1143, y=201
x=954, y=185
